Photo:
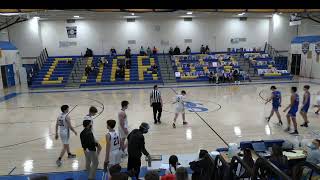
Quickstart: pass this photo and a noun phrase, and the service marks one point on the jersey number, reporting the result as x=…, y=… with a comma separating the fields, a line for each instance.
x=60, y=122
x=116, y=141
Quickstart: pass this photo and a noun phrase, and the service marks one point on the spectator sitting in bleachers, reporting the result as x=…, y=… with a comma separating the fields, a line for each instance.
x=87, y=70
x=176, y=51
x=202, y=50
x=173, y=165
x=154, y=50
x=188, y=50
x=154, y=69
x=171, y=51
x=149, y=52
x=207, y=50
x=113, y=52
x=89, y=53
x=128, y=64
x=313, y=155
x=278, y=159
x=142, y=52
x=128, y=53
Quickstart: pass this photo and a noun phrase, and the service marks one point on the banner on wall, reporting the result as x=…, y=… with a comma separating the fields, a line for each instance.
x=305, y=47
x=317, y=47
x=72, y=31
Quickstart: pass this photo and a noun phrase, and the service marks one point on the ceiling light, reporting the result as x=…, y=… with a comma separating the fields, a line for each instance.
x=36, y=17
x=76, y=16
x=189, y=13
x=132, y=14
x=241, y=14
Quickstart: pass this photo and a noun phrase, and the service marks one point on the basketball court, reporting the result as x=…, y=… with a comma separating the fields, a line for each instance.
x=216, y=114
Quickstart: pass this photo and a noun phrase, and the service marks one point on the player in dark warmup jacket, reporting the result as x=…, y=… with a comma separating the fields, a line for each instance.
x=306, y=105
x=294, y=107
x=276, y=103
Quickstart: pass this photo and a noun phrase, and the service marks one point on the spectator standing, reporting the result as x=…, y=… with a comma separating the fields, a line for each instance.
x=154, y=50
x=89, y=53
x=113, y=52
x=136, y=146
x=156, y=104
x=149, y=52
x=89, y=146
x=128, y=53
x=211, y=77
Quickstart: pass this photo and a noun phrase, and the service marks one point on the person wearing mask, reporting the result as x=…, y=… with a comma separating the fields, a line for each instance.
x=149, y=52
x=182, y=174
x=136, y=147
x=306, y=105
x=313, y=155
x=294, y=106
x=154, y=50
x=89, y=146
x=278, y=159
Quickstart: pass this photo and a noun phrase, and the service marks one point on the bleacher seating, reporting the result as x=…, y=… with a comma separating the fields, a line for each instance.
x=140, y=72
x=54, y=73
x=197, y=67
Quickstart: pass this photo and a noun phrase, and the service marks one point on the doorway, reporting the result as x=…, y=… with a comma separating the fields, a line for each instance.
x=295, y=64
x=4, y=77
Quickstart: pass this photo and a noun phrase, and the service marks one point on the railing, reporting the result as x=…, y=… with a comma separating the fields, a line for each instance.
x=305, y=170
x=239, y=169
x=264, y=169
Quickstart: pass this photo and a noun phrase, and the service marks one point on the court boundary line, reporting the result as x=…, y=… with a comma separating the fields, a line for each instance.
x=225, y=142
x=14, y=168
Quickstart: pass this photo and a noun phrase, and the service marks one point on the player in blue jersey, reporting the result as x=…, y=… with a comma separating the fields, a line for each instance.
x=276, y=103
x=305, y=105
x=294, y=106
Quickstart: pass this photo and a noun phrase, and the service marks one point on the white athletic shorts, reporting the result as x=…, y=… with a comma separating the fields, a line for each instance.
x=122, y=134
x=114, y=157
x=179, y=109
x=64, y=136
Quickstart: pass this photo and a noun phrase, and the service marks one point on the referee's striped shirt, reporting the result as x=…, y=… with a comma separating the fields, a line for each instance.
x=155, y=96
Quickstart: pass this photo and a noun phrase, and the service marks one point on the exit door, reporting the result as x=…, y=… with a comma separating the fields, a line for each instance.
x=295, y=64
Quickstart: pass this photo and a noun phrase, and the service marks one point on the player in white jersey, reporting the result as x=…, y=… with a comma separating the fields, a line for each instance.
x=123, y=125
x=64, y=126
x=113, y=150
x=180, y=108
x=318, y=103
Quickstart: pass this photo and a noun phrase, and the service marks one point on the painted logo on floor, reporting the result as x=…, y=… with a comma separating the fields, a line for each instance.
x=195, y=107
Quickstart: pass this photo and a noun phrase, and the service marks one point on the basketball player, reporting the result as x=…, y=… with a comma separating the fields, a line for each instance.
x=113, y=154
x=306, y=105
x=180, y=108
x=64, y=125
x=123, y=125
x=276, y=103
x=318, y=103
x=294, y=105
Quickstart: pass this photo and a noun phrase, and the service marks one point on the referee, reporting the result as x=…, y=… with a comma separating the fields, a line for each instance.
x=156, y=104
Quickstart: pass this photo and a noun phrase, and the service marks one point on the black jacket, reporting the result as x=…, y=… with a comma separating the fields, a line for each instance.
x=87, y=140
x=136, y=144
